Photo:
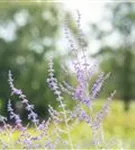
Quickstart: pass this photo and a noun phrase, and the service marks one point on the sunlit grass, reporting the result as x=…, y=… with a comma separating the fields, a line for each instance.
x=121, y=124
x=118, y=125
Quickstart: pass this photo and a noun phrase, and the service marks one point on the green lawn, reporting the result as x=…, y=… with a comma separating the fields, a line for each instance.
x=118, y=125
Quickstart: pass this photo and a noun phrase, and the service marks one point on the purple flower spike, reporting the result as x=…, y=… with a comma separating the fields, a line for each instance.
x=14, y=91
x=13, y=115
x=78, y=92
x=17, y=91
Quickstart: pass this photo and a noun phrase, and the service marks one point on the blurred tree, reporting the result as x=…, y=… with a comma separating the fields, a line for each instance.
x=28, y=32
x=118, y=57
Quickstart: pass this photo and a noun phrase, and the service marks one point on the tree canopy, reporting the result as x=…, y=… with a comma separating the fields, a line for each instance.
x=28, y=32
x=119, y=57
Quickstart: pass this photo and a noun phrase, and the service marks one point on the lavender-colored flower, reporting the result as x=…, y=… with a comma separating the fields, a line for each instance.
x=84, y=116
x=102, y=113
x=24, y=101
x=14, y=91
x=53, y=83
x=17, y=91
x=98, y=85
x=78, y=92
x=14, y=116
x=3, y=119
x=29, y=107
x=87, y=101
x=41, y=126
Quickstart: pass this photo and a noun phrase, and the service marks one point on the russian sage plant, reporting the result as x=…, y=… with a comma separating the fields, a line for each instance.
x=56, y=132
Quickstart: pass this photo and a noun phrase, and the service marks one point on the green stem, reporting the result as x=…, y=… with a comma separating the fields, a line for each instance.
x=67, y=126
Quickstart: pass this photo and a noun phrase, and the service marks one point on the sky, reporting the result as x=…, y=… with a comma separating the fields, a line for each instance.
x=91, y=12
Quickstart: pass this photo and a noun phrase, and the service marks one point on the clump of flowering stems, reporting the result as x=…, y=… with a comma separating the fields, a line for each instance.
x=26, y=139
x=64, y=120
x=81, y=93
x=53, y=84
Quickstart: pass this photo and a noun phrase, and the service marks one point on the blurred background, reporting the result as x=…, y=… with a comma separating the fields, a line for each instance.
x=32, y=31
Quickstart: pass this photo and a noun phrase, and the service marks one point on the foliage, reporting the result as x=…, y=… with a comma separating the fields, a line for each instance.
x=119, y=57
x=28, y=32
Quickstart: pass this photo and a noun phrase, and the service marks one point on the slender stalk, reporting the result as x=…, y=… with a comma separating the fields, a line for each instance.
x=67, y=126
